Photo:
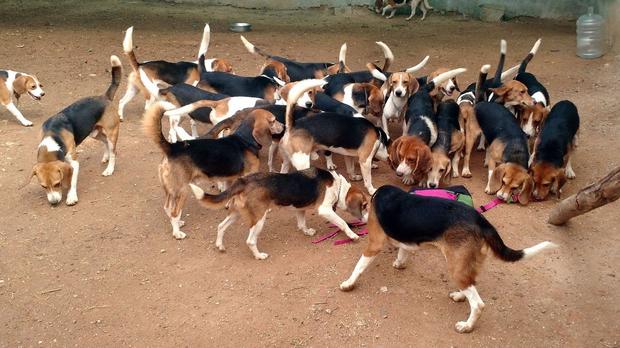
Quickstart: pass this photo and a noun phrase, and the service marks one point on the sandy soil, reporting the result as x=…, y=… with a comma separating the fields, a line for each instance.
x=107, y=271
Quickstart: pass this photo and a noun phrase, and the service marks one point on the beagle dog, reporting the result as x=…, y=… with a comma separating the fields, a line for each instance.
x=57, y=165
x=252, y=197
x=300, y=71
x=262, y=86
x=551, y=160
x=349, y=136
x=366, y=76
x=512, y=93
x=305, y=101
x=383, y=6
x=171, y=73
x=15, y=84
x=410, y=155
x=365, y=98
x=463, y=236
x=446, y=152
x=223, y=159
x=445, y=89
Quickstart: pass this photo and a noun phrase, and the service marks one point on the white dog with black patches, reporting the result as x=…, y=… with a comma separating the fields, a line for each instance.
x=15, y=84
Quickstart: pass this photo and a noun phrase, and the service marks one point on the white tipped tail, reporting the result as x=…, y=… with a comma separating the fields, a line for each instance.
x=447, y=75
x=204, y=43
x=128, y=40
x=419, y=66
x=531, y=251
x=507, y=73
x=375, y=72
x=295, y=93
x=485, y=68
x=387, y=52
x=248, y=45
x=114, y=61
x=150, y=85
x=194, y=106
x=534, y=49
x=342, y=57
x=503, y=47
x=197, y=191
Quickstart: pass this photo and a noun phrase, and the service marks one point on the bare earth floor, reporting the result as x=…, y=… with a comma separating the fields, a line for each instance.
x=107, y=271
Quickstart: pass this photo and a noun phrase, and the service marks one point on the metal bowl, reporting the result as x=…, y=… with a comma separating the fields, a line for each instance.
x=240, y=27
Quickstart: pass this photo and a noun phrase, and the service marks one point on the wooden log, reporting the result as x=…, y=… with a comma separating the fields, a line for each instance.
x=604, y=191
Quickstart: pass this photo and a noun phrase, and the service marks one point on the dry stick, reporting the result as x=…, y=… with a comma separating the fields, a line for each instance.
x=50, y=291
x=604, y=191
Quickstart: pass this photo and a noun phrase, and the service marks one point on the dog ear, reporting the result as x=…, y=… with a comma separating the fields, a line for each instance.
x=456, y=84
x=66, y=171
x=35, y=169
x=19, y=84
x=526, y=190
x=496, y=178
x=414, y=85
x=500, y=91
x=393, y=150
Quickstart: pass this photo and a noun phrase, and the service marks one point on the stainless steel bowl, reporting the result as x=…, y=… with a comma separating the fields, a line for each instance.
x=240, y=27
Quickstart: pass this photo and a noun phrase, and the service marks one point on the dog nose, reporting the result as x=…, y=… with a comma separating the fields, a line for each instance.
x=432, y=185
x=398, y=93
x=42, y=94
x=308, y=105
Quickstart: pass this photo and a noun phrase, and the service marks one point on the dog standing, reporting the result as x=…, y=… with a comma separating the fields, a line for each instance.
x=15, y=84
x=383, y=6
x=446, y=152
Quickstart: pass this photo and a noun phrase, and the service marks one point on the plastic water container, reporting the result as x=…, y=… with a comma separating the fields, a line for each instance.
x=590, y=35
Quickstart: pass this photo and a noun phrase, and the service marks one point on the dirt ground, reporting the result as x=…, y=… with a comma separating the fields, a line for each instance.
x=107, y=271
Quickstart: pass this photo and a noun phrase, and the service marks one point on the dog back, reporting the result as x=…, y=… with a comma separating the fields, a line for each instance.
x=78, y=118
x=557, y=133
x=497, y=122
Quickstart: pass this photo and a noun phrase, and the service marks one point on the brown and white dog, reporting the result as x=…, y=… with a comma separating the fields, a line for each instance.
x=57, y=166
x=317, y=189
x=463, y=236
x=383, y=6
x=15, y=84
x=223, y=159
x=170, y=73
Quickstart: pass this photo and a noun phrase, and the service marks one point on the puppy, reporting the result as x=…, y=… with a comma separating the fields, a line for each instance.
x=57, y=166
x=463, y=236
x=312, y=189
x=15, y=84
x=300, y=71
x=222, y=159
x=383, y=6
x=171, y=73
x=446, y=151
x=352, y=137
x=551, y=163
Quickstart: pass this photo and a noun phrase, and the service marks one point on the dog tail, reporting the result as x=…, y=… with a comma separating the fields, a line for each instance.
x=116, y=77
x=150, y=86
x=128, y=49
x=230, y=124
x=219, y=200
x=505, y=253
x=192, y=107
x=529, y=56
x=417, y=67
x=387, y=54
x=253, y=49
x=427, y=5
x=376, y=73
x=484, y=71
x=507, y=73
x=342, y=57
x=441, y=78
x=152, y=125
x=503, y=47
x=204, y=43
x=294, y=94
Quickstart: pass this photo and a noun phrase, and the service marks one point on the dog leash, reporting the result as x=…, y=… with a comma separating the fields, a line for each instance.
x=495, y=202
x=336, y=230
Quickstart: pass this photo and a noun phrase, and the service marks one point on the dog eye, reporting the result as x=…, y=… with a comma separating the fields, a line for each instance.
x=441, y=170
x=33, y=87
x=547, y=184
x=44, y=186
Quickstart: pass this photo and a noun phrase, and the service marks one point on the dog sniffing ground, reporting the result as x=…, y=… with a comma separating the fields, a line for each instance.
x=107, y=271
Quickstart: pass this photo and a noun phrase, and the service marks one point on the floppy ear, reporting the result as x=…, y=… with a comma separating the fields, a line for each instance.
x=456, y=84
x=446, y=176
x=496, y=178
x=65, y=174
x=19, y=84
x=501, y=91
x=35, y=168
x=393, y=151
x=414, y=85
x=526, y=190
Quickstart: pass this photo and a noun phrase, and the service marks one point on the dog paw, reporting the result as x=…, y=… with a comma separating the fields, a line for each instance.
x=487, y=190
x=332, y=166
x=407, y=180
x=105, y=159
x=261, y=256
x=374, y=165
x=108, y=172
x=220, y=247
x=26, y=123
x=309, y=231
x=353, y=236
x=347, y=286
x=398, y=265
x=356, y=177
x=570, y=173
x=457, y=296
x=455, y=174
x=463, y=327
x=179, y=235
x=466, y=173
x=72, y=198
x=181, y=223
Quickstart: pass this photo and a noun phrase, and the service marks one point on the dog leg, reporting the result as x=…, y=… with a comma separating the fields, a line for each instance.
x=487, y=189
x=457, y=296
x=131, y=92
x=470, y=140
x=72, y=197
x=328, y=213
x=392, y=14
x=18, y=115
x=475, y=306
x=329, y=160
x=301, y=223
x=221, y=229
x=273, y=148
x=111, y=150
x=481, y=144
x=182, y=134
x=173, y=122
x=194, y=128
x=456, y=158
x=401, y=258
x=414, y=5
x=366, y=168
x=348, y=161
x=360, y=267
x=253, y=238
x=570, y=173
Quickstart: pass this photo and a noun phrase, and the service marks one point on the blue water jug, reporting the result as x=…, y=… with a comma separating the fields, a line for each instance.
x=590, y=35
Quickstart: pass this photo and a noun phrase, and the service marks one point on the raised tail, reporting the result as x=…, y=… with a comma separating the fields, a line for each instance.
x=503, y=47
x=376, y=73
x=506, y=253
x=193, y=107
x=116, y=77
x=342, y=57
x=148, y=84
x=484, y=71
x=441, y=78
x=387, y=54
x=295, y=93
x=128, y=49
x=220, y=200
x=204, y=43
x=507, y=73
x=417, y=67
x=253, y=49
x=152, y=125
x=529, y=56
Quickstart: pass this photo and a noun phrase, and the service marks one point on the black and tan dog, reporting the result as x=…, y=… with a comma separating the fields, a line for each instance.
x=446, y=152
x=462, y=234
x=553, y=150
x=252, y=196
x=223, y=159
x=57, y=166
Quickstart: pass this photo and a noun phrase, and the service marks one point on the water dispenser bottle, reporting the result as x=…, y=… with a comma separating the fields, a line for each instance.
x=590, y=35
